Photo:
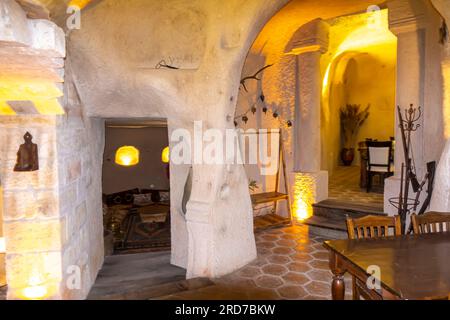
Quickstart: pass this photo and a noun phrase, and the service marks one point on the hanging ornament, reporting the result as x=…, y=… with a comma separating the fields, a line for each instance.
x=289, y=123
x=275, y=114
x=253, y=109
x=262, y=97
x=245, y=119
x=265, y=109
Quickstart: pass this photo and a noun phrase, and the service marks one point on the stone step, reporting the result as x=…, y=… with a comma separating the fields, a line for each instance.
x=335, y=208
x=140, y=277
x=327, y=223
x=143, y=292
x=329, y=218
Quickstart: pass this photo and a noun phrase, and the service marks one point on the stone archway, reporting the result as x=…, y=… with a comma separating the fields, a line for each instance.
x=110, y=83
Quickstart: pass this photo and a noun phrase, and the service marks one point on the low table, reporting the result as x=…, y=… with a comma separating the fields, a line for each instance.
x=414, y=267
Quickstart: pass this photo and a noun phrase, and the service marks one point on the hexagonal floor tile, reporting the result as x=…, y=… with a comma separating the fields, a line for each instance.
x=299, y=267
x=321, y=255
x=283, y=250
x=320, y=275
x=292, y=292
x=320, y=264
x=249, y=272
x=269, y=282
x=317, y=288
x=274, y=269
x=278, y=259
x=267, y=244
x=286, y=243
x=296, y=278
x=301, y=257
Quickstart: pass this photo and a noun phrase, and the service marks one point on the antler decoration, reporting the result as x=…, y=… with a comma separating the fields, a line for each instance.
x=254, y=77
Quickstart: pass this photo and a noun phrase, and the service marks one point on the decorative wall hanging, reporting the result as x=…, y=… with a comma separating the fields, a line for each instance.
x=253, y=109
x=163, y=64
x=27, y=156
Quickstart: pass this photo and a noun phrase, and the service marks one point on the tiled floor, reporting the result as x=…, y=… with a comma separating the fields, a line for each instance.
x=292, y=265
x=344, y=185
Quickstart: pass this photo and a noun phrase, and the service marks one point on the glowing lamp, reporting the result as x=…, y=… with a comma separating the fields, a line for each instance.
x=127, y=156
x=165, y=156
x=36, y=290
x=79, y=3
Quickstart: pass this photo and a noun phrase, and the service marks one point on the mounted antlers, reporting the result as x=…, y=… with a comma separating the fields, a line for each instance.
x=254, y=77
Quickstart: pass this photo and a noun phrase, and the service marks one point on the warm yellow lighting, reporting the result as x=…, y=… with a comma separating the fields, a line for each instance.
x=5, y=109
x=36, y=289
x=303, y=196
x=127, y=156
x=43, y=94
x=165, y=156
x=20, y=90
x=48, y=107
x=2, y=245
x=79, y=3
x=35, y=293
x=358, y=33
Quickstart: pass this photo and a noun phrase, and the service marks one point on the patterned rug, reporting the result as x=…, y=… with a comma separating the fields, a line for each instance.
x=143, y=236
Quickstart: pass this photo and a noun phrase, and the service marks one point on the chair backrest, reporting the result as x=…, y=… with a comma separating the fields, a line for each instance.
x=431, y=222
x=373, y=227
x=379, y=154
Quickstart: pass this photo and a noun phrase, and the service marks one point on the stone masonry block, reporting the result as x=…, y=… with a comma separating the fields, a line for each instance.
x=35, y=236
x=30, y=205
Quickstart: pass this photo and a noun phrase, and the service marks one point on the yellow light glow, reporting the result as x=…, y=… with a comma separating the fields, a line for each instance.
x=303, y=197
x=127, y=156
x=36, y=289
x=2, y=245
x=165, y=156
x=43, y=94
x=48, y=107
x=79, y=3
x=446, y=73
x=35, y=293
x=5, y=109
x=358, y=33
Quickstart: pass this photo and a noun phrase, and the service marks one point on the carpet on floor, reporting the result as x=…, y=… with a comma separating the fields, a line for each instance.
x=144, y=233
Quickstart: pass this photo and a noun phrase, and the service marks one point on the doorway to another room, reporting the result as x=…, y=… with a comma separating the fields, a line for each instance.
x=359, y=109
x=136, y=187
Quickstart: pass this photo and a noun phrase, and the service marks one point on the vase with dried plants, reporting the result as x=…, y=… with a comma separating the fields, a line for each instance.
x=352, y=119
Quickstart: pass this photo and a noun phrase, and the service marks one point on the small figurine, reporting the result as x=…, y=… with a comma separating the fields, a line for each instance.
x=27, y=156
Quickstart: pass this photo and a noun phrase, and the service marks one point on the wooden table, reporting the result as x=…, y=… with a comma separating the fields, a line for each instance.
x=413, y=267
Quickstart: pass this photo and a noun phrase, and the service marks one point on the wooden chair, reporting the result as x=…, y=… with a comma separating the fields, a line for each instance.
x=370, y=227
x=431, y=222
x=379, y=156
x=373, y=227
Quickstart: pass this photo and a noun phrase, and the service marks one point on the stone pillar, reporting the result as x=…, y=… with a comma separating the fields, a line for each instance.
x=441, y=196
x=34, y=230
x=311, y=184
x=417, y=83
